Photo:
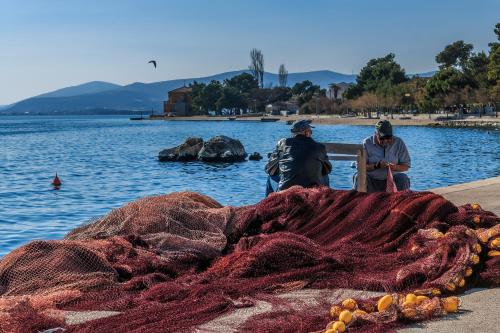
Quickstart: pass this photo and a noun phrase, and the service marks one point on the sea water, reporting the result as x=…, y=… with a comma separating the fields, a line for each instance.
x=107, y=161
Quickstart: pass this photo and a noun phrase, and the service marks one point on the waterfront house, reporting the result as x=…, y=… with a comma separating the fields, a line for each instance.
x=178, y=103
x=283, y=108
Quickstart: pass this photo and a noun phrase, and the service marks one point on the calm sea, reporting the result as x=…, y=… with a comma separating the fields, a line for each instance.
x=105, y=162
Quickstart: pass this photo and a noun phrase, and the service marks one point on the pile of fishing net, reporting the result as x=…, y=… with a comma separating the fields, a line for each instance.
x=182, y=263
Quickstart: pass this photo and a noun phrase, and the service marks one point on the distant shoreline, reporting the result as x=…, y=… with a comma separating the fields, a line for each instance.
x=420, y=120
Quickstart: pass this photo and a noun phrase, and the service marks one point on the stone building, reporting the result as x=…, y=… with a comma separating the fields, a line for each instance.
x=178, y=103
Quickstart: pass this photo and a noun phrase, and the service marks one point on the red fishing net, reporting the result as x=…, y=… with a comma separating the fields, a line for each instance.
x=183, y=262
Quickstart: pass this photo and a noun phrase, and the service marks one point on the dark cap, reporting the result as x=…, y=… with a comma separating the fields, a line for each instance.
x=384, y=128
x=300, y=126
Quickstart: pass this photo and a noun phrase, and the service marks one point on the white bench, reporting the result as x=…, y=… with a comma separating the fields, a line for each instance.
x=349, y=152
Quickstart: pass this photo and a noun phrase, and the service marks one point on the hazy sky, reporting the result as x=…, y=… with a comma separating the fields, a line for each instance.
x=50, y=44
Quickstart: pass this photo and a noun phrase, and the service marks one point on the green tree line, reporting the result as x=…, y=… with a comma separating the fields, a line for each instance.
x=464, y=78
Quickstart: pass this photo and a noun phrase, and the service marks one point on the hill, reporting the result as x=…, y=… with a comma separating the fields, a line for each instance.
x=81, y=89
x=138, y=96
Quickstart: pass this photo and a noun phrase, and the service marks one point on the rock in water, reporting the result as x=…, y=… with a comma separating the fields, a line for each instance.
x=222, y=149
x=188, y=151
x=255, y=157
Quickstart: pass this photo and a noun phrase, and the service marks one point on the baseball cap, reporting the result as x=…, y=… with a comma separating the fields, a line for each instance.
x=384, y=128
x=301, y=125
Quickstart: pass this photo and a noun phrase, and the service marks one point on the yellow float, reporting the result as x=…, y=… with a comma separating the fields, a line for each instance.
x=495, y=243
x=412, y=298
x=421, y=299
x=335, y=311
x=475, y=206
x=474, y=259
x=450, y=304
x=359, y=312
x=384, y=303
x=450, y=286
x=493, y=253
x=349, y=304
x=338, y=326
x=345, y=316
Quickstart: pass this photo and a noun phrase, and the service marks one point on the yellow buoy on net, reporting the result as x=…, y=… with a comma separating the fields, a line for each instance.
x=345, y=316
x=335, y=311
x=436, y=292
x=450, y=286
x=476, y=219
x=468, y=272
x=359, y=312
x=461, y=283
x=483, y=235
x=338, y=326
x=476, y=248
x=474, y=259
x=349, y=304
x=495, y=243
x=451, y=304
x=384, y=303
x=412, y=298
x=475, y=206
x=421, y=299
x=493, y=253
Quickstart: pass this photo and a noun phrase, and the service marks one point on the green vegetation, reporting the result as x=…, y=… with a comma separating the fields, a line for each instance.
x=466, y=80
x=241, y=92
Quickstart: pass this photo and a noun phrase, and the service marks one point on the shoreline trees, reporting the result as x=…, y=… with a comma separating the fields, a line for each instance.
x=465, y=80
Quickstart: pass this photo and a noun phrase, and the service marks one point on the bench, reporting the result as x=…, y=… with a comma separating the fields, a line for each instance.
x=349, y=152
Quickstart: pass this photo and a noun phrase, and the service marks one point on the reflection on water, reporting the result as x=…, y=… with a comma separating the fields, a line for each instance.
x=106, y=161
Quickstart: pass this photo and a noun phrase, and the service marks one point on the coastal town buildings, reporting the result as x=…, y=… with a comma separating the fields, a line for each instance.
x=178, y=103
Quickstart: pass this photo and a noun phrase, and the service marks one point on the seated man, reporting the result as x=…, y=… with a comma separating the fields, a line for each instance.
x=298, y=160
x=384, y=151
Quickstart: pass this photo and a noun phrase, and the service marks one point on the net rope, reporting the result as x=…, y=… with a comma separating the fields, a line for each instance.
x=176, y=262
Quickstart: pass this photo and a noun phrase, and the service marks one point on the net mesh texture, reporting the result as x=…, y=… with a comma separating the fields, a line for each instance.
x=177, y=262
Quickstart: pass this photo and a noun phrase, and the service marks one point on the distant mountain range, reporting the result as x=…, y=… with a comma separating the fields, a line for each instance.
x=82, y=89
x=99, y=97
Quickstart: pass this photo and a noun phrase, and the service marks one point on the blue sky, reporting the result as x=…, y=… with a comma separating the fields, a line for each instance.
x=50, y=44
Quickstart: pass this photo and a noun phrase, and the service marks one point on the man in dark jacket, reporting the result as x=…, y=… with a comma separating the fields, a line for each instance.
x=298, y=160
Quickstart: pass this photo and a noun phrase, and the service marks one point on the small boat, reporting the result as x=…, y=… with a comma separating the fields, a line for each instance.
x=231, y=118
x=138, y=118
x=266, y=120
x=289, y=122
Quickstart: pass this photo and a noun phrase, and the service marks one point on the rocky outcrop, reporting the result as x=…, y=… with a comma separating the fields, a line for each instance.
x=222, y=149
x=217, y=149
x=188, y=151
x=255, y=157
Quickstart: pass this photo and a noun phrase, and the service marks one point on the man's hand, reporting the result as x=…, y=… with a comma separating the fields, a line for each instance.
x=384, y=165
x=381, y=164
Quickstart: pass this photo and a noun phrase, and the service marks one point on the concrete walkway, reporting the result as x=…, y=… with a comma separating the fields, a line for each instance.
x=480, y=307
x=485, y=192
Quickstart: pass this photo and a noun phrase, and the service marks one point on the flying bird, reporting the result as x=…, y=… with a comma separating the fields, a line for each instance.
x=152, y=62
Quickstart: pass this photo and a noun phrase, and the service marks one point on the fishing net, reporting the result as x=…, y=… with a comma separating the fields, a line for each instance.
x=184, y=263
